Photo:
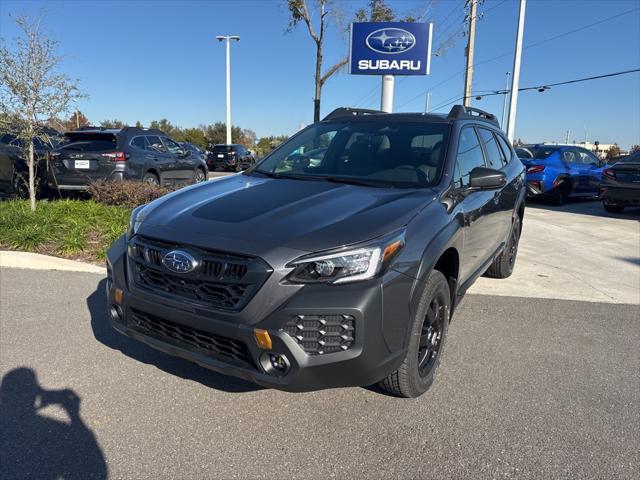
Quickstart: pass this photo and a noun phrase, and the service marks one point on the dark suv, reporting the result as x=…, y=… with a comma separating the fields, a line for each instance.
x=122, y=154
x=14, y=170
x=342, y=269
x=229, y=158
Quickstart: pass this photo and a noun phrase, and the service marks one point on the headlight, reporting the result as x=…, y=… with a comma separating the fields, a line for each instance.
x=348, y=265
x=137, y=216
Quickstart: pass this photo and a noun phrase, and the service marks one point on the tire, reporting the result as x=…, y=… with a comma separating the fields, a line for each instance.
x=151, y=178
x=416, y=374
x=199, y=176
x=561, y=193
x=21, y=185
x=502, y=266
x=613, y=208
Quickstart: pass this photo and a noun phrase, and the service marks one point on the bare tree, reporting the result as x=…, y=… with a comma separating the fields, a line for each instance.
x=376, y=11
x=31, y=89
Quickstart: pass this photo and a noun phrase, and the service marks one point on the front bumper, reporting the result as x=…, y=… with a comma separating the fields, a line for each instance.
x=368, y=359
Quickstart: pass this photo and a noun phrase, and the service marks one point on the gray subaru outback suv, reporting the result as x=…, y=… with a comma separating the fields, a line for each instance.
x=338, y=260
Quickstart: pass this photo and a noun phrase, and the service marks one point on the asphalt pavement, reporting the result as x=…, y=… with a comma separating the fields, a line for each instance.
x=527, y=388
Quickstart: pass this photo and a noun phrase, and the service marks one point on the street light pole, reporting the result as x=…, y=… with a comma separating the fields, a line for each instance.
x=515, y=79
x=228, y=38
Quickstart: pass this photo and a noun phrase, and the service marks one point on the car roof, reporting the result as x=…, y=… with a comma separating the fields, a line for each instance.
x=457, y=113
x=126, y=132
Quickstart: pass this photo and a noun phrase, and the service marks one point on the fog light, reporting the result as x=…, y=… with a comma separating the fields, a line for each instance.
x=275, y=364
x=117, y=296
x=116, y=312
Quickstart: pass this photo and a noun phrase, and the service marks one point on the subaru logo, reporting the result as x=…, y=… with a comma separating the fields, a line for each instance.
x=390, y=40
x=179, y=262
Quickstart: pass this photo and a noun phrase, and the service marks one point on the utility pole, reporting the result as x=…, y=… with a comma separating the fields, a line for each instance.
x=515, y=79
x=566, y=138
x=228, y=38
x=504, y=99
x=386, y=99
x=468, y=76
x=426, y=106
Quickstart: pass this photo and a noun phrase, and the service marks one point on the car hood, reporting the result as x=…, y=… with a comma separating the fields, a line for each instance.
x=251, y=215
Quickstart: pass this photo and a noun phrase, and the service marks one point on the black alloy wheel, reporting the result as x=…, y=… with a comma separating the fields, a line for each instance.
x=431, y=334
x=199, y=176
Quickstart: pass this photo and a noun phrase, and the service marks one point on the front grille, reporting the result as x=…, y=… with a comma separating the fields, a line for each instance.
x=223, y=348
x=321, y=334
x=221, y=281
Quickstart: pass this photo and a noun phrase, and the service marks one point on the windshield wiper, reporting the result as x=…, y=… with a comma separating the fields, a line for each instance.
x=357, y=181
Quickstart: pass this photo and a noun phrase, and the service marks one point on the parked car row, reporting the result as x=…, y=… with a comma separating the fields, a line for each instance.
x=560, y=172
x=72, y=160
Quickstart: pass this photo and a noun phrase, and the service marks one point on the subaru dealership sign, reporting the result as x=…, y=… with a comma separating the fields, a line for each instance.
x=390, y=48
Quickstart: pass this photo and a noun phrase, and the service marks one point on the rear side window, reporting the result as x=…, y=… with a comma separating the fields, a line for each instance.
x=494, y=154
x=139, y=142
x=506, y=150
x=155, y=144
x=469, y=156
x=571, y=156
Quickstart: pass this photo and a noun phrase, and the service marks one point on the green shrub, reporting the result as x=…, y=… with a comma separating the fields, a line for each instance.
x=68, y=228
x=125, y=194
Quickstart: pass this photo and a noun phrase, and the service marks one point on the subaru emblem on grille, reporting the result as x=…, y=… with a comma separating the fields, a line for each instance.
x=179, y=261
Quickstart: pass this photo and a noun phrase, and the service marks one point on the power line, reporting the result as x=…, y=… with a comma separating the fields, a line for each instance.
x=495, y=6
x=541, y=87
x=535, y=44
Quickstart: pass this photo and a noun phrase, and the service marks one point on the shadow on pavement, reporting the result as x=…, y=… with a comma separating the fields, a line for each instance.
x=105, y=334
x=590, y=207
x=33, y=445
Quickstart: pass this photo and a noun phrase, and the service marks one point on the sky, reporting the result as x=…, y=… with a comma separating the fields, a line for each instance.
x=146, y=60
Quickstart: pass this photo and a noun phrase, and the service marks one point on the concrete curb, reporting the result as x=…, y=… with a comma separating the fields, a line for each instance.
x=35, y=261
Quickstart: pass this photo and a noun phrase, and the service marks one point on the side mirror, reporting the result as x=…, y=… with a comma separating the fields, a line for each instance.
x=482, y=178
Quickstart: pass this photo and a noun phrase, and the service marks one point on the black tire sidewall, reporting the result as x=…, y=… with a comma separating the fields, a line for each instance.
x=436, y=283
x=508, y=267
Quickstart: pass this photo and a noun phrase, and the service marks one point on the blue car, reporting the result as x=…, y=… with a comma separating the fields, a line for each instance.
x=558, y=172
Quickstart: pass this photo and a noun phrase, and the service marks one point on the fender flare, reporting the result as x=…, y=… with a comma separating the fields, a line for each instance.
x=451, y=236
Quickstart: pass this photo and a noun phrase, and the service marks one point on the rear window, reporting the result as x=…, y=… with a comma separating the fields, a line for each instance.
x=540, y=153
x=222, y=148
x=89, y=142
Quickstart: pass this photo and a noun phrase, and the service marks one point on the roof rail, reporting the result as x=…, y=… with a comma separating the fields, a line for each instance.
x=88, y=127
x=460, y=111
x=348, y=112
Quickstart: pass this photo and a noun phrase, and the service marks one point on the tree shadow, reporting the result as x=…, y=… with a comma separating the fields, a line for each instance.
x=591, y=207
x=105, y=334
x=33, y=445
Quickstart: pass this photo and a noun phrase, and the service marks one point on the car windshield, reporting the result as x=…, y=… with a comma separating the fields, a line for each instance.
x=373, y=153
